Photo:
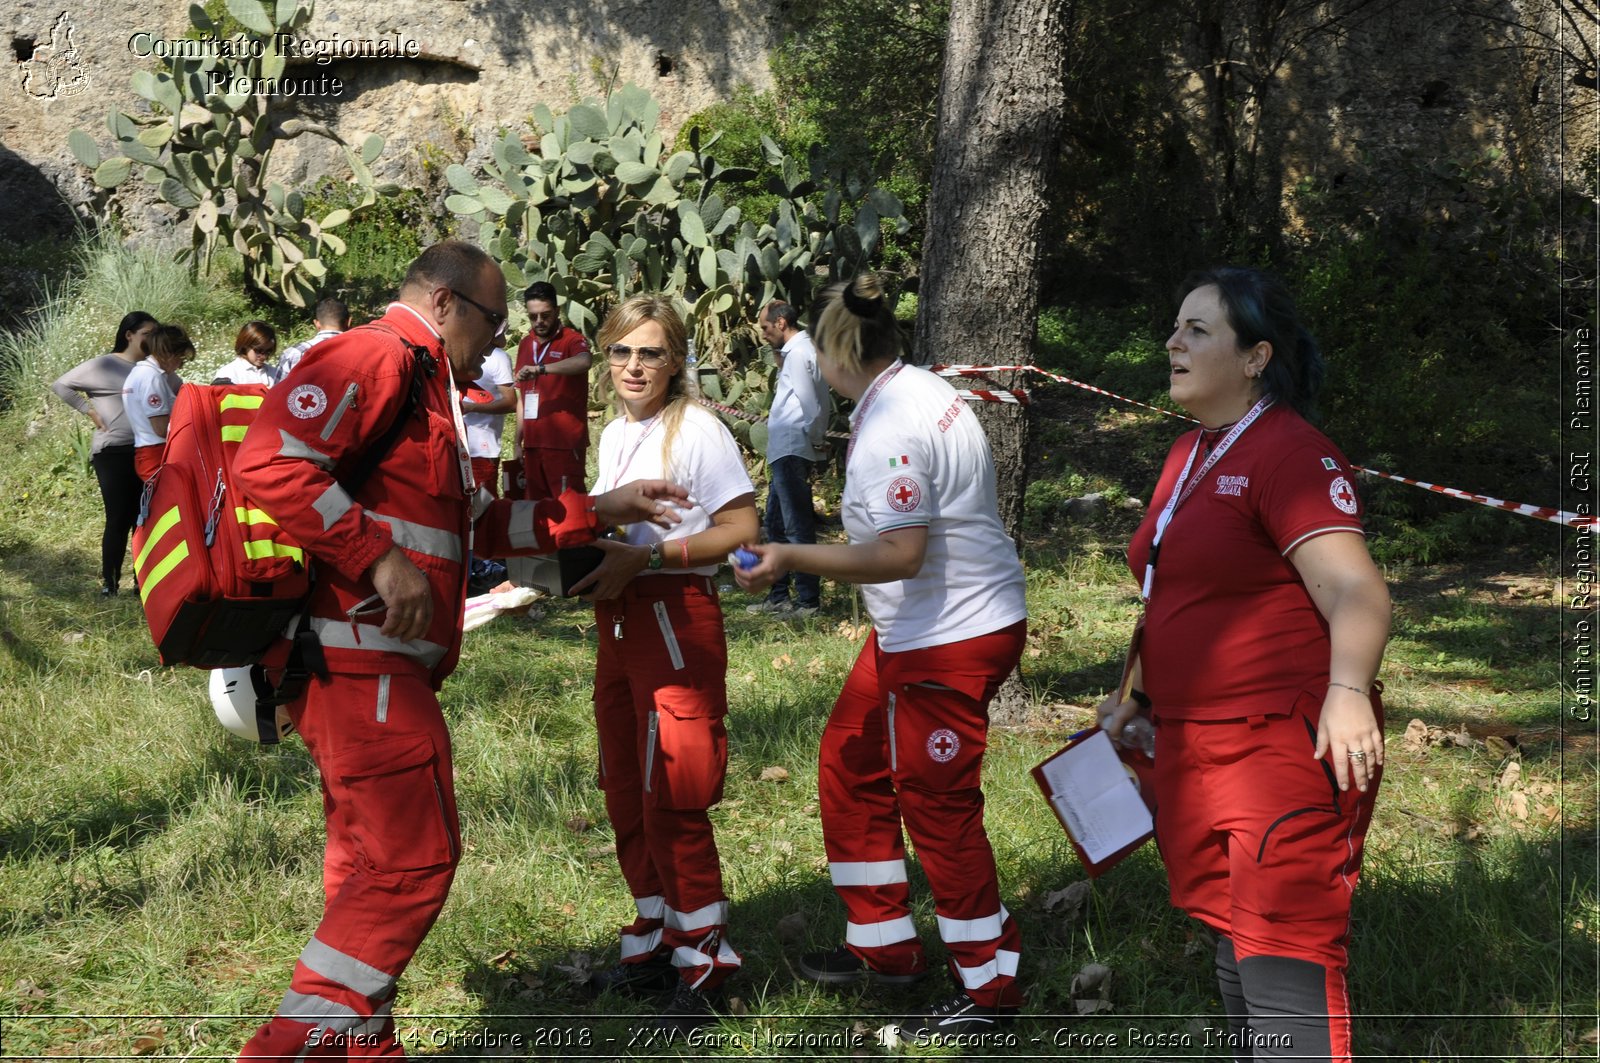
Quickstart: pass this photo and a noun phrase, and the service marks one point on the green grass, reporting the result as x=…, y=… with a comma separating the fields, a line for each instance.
x=158, y=877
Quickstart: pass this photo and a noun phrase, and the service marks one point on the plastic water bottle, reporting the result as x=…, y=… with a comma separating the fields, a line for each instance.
x=1139, y=733
x=742, y=559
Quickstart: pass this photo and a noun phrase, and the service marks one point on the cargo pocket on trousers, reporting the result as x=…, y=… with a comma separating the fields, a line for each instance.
x=393, y=799
x=690, y=760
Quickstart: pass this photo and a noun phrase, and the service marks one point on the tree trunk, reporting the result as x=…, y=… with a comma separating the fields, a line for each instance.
x=1001, y=101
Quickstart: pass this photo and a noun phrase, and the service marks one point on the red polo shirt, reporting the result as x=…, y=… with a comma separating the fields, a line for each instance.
x=563, y=405
x=1230, y=629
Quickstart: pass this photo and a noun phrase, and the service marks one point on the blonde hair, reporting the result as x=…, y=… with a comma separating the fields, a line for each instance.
x=855, y=326
x=637, y=310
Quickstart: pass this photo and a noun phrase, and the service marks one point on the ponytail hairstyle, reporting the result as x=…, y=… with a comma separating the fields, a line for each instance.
x=1260, y=308
x=629, y=315
x=170, y=343
x=131, y=323
x=855, y=328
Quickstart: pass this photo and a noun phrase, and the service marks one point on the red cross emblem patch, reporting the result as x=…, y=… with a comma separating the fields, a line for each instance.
x=154, y=401
x=1343, y=496
x=307, y=401
x=904, y=494
x=943, y=745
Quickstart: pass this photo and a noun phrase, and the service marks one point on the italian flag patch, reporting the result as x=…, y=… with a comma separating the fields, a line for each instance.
x=900, y=462
x=1329, y=464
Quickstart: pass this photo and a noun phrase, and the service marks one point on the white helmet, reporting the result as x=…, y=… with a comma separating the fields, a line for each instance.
x=240, y=698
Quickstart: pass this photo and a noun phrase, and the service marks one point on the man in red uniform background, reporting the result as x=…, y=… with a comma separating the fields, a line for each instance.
x=552, y=374
x=387, y=603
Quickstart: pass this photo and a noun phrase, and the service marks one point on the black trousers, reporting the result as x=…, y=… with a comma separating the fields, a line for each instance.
x=120, y=488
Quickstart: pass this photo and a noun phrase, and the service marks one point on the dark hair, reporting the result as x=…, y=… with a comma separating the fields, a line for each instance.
x=332, y=311
x=543, y=291
x=254, y=334
x=447, y=264
x=132, y=322
x=854, y=325
x=1259, y=307
x=169, y=341
x=778, y=310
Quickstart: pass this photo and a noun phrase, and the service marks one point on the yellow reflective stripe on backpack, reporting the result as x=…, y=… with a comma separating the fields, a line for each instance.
x=168, y=521
x=241, y=402
x=234, y=433
x=157, y=574
x=252, y=516
x=256, y=549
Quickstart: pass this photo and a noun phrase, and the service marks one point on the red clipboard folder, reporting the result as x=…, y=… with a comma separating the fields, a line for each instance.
x=1139, y=767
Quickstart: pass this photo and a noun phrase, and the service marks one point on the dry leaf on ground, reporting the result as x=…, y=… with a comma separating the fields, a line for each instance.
x=774, y=774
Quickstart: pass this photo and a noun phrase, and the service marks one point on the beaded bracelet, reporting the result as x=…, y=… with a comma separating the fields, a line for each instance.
x=1347, y=686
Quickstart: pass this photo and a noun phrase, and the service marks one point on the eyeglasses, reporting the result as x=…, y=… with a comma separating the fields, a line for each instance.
x=495, y=319
x=649, y=357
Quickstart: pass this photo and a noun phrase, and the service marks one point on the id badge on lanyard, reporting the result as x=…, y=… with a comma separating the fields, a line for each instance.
x=530, y=405
x=1185, y=487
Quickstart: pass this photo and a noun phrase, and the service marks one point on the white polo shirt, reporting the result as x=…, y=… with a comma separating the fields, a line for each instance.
x=148, y=392
x=484, y=430
x=921, y=459
x=705, y=459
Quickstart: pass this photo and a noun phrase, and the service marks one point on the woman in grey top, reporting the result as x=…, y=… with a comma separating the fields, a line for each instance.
x=94, y=388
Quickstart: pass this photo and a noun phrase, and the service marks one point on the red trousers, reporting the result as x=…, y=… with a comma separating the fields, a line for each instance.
x=1262, y=845
x=660, y=696
x=549, y=471
x=388, y=794
x=905, y=743
x=486, y=473
x=147, y=459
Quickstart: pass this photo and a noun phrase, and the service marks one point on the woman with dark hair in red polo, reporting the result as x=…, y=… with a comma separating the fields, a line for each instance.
x=1265, y=622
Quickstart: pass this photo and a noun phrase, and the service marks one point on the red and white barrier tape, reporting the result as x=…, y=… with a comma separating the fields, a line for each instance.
x=1018, y=397
x=1546, y=513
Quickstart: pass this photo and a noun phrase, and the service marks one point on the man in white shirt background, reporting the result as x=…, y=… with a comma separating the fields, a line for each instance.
x=796, y=434
x=332, y=317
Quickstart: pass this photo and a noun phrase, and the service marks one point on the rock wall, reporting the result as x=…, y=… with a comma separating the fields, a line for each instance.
x=481, y=66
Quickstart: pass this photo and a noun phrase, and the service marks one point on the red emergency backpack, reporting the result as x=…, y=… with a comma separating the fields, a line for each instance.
x=223, y=585
x=221, y=582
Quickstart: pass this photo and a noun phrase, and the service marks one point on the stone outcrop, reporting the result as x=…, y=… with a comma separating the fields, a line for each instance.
x=481, y=66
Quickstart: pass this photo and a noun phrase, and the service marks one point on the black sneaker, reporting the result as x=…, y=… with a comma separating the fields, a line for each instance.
x=840, y=966
x=647, y=978
x=958, y=1015
x=688, y=1009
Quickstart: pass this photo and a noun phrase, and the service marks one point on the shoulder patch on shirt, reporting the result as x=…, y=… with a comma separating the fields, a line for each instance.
x=895, y=463
x=1330, y=465
x=154, y=400
x=307, y=401
x=904, y=494
x=1343, y=496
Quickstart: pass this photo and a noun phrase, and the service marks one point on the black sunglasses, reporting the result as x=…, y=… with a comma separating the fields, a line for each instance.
x=497, y=320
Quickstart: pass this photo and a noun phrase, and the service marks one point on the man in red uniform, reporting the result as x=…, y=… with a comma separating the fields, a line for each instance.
x=387, y=605
x=553, y=398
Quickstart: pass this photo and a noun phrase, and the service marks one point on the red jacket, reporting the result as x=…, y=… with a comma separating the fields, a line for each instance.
x=563, y=421
x=314, y=430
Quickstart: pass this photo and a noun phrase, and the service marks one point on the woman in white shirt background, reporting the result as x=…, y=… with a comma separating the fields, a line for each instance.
x=661, y=673
x=253, y=348
x=906, y=737
x=148, y=396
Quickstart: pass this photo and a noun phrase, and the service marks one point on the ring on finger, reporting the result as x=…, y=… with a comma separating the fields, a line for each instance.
x=1357, y=754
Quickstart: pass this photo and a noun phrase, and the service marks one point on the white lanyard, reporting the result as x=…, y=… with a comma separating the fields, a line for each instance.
x=651, y=427
x=1185, y=486
x=540, y=355
x=463, y=455
x=866, y=404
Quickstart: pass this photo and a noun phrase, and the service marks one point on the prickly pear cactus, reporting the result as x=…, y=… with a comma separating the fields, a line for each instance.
x=206, y=143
